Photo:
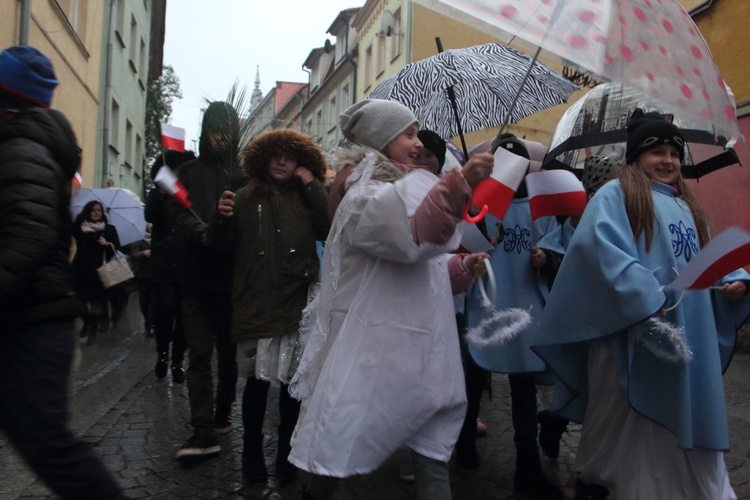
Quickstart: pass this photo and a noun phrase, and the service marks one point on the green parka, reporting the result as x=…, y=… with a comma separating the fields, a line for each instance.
x=273, y=234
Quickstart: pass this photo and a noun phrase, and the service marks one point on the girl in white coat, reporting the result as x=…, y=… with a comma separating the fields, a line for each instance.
x=382, y=366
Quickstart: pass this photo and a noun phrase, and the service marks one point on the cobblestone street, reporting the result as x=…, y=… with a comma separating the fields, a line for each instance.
x=137, y=422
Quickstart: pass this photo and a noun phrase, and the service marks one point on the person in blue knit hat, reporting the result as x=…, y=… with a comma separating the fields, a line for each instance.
x=38, y=159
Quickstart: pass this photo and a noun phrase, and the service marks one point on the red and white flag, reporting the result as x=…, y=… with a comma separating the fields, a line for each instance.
x=725, y=253
x=166, y=180
x=77, y=179
x=498, y=189
x=555, y=192
x=172, y=137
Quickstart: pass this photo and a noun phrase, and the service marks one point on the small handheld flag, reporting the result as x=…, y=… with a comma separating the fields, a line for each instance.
x=77, y=179
x=166, y=180
x=555, y=192
x=172, y=137
x=496, y=192
x=725, y=253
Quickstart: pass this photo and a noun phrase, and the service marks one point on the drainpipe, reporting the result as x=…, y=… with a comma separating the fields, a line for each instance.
x=23, y=25
x=107, y=96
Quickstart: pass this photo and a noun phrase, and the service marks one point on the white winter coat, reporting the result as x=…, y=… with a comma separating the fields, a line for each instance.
x=389, y=362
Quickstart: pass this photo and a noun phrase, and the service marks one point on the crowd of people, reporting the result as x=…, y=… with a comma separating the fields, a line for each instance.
x=367, y=340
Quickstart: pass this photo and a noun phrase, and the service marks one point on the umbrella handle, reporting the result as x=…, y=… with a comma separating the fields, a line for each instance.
x=486, y=300
x=473, y=220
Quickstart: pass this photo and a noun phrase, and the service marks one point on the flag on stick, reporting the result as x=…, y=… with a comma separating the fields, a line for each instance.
x=555, y=192
x=172, y=137
x=725, y=253
x=77, y=179
x=496, y=192
x=166, y=180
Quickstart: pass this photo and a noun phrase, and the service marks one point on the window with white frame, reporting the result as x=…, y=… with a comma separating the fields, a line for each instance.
x=368, y=66
x=396, y=35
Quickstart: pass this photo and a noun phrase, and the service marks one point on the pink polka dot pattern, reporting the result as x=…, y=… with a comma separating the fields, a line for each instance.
x=626, y=41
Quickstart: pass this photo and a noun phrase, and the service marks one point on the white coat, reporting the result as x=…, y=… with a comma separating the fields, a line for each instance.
x=390, y=368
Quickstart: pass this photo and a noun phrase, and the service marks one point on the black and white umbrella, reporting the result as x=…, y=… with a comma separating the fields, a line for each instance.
x=485, y=80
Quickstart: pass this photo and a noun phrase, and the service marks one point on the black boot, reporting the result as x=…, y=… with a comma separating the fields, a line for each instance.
x=254, y=400
x=93, y=329
x=85, y=327
x=590, y=491
x=162, y=364
x=551, y=428
x=288, y=412
x=530, y=480
x=178, y=373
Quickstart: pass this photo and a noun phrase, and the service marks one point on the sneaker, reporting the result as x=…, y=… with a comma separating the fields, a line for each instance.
x=481, y=428
x=162, y=364
x=197, y=448
x=178, y=374
x=406, y=471
x=223, y=427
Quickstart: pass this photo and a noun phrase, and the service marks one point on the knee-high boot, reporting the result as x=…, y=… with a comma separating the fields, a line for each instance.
x=254, y=400
x=93, y=325
x=289, y=412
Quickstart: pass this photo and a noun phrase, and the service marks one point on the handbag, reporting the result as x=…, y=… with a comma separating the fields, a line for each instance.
x=115, y=271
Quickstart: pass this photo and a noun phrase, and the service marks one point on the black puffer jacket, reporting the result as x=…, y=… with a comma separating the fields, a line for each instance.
x=38, y=158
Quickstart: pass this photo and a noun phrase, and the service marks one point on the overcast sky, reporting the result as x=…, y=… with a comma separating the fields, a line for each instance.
x=213, y=43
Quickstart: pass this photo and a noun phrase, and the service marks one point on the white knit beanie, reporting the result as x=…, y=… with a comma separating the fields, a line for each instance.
x=375, y=122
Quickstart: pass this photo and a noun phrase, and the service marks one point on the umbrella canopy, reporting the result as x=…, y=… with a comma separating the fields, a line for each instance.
x=123, y=209
x=596, y=125
x=652, y=45
x=485, y=79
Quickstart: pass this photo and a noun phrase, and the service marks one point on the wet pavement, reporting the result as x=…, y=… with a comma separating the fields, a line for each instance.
x=137, y=422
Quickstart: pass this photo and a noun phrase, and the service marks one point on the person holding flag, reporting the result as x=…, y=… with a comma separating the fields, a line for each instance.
x=166, y=263
x=653, y=412
x=205, y=282
x=523, y=287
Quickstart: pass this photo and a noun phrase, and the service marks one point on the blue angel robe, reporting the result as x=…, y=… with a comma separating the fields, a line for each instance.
x=607, y=284
x=518, y=285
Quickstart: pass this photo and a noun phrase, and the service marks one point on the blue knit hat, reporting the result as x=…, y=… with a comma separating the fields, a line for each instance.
x=27, y=73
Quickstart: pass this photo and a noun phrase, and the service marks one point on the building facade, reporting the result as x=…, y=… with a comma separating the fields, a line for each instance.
x=69, y=33
x=333, y=77
x=123, y=87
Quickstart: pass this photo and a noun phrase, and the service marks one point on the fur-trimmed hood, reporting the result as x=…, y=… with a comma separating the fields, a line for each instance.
x=385, y=170
x=259, y=152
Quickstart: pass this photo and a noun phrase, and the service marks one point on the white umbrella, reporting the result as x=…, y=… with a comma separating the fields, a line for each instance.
x=123, y=209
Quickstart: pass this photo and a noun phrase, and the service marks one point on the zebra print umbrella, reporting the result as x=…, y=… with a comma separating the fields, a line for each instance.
x=485, y=79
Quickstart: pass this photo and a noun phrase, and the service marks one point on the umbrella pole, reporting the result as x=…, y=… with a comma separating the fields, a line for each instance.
x=518, y=92
x=452, y=99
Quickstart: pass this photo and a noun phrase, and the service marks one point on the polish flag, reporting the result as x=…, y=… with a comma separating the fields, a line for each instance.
x=555, y=192
x=77, y=179
x=725, y=253
x=496, y=192
x=166, y=180
x=172, y=137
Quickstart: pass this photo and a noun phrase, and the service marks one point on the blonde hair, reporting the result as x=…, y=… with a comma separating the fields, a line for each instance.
x=639, y=204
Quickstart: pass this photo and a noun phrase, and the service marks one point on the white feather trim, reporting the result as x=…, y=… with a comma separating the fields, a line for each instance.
x=665, y=340
x=499, y=327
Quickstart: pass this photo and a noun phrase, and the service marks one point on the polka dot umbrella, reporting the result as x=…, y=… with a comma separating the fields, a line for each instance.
x=652, y=45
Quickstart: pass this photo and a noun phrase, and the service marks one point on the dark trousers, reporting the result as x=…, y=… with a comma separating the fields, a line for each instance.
x=168, y=325
x=476, y=379
x=34, y=373
x=207, y=320
x=523, y=412
x=146, y=302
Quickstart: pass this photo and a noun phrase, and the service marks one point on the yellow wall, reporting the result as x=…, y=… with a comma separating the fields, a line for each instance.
x=77, y=65
x=724, y=26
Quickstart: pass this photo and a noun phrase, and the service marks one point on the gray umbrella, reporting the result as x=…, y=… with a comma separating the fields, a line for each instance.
x=485, y=79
